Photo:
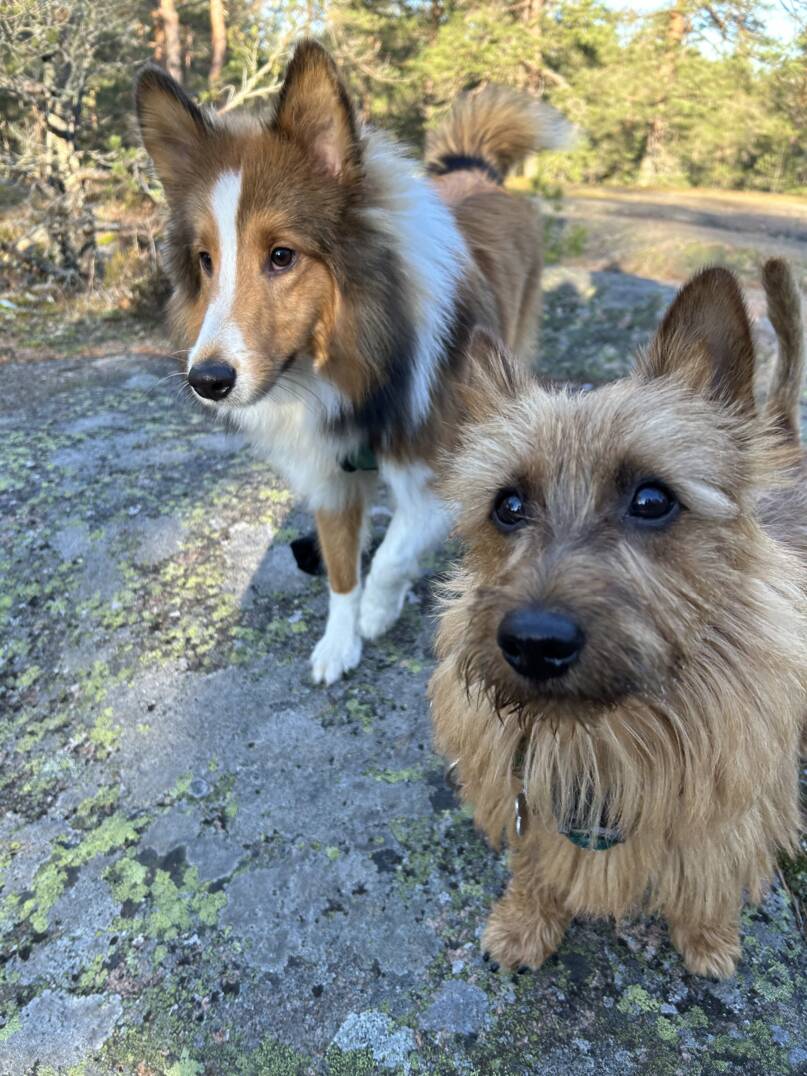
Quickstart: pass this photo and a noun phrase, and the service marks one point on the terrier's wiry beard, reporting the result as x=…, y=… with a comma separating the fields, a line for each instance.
x=576, y=776
x=480, y=671
x=590, y=691
x=606, y=752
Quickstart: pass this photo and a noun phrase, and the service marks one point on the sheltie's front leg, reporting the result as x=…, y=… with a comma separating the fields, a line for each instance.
x=340, y=539
x=420, y=522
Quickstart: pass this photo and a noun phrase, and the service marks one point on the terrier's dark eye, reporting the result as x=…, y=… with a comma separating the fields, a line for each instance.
x=206, y=263
x=282, y=258
x=653, y=503
x=509, y=510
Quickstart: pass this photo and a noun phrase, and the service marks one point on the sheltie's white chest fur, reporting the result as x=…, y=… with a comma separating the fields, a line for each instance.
x=289, y=428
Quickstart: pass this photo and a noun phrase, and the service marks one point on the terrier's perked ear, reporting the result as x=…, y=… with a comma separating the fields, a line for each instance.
x=705, y=340
x=783, y=406
x=493, y=374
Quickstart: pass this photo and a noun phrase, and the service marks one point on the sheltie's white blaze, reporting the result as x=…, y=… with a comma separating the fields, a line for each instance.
x=220, y=334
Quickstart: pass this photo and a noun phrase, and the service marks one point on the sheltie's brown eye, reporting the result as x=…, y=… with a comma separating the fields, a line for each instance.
x=282, y=258
x=206, y=263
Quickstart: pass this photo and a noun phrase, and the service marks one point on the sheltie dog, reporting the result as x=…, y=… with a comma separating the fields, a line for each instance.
x=326, y=289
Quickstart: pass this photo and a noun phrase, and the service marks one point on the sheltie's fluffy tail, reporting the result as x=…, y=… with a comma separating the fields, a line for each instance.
x=784, y=311
x=494, y=128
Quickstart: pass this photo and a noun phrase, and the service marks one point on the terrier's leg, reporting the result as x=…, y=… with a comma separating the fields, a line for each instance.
x=528, y=923
x=703, y=909
x=709, y=948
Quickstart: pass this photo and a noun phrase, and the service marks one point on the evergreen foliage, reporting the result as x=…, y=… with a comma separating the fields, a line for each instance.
x=695, y=94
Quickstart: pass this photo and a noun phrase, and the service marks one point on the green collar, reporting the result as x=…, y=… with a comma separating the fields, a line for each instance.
x=363, y=459
x=598, y=838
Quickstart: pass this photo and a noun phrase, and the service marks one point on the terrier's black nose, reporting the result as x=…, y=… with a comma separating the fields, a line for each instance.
x=211, y=379
x=539, y=644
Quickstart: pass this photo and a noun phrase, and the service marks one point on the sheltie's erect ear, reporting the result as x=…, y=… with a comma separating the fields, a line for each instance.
x=173, y=127
x=315, y=111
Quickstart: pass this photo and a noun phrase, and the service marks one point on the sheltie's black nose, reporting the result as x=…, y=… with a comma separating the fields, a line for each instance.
x=212, y=379
x=539, y=644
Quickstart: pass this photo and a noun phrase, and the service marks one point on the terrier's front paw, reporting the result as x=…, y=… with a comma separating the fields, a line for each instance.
x=709, y=951
x=381, y=605
x=519, y=934
x=335, y=654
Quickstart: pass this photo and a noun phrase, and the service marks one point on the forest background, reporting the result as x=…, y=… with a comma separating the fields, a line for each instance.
x=683, y=94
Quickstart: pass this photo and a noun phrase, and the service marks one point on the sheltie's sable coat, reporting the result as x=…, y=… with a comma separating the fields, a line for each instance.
x=335, y=287
x=625, y=639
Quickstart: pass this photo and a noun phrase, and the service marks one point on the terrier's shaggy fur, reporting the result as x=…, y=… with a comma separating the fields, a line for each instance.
x=652, y=520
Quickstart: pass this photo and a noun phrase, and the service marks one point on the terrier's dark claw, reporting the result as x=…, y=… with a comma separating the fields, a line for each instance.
x=494, y=965
x=486, y=956
x=521, y=969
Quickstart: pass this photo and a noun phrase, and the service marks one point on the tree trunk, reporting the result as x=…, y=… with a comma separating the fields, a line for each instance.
x=654, y=160
x=218, y=39
x=187, y=49
x=170, y=38
x=532, y=13
x=70, y=220
x=158, y=41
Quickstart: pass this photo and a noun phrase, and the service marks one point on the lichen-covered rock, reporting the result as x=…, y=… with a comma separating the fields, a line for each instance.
x=209, y=865
x=59, y=1030
x=458, y=1006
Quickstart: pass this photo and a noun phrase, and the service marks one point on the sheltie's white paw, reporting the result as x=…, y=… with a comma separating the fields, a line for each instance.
x=381, y=606
x=339, y=649
x=334, y=655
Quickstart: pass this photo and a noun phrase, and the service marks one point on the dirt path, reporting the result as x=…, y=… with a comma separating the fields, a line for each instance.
x=209, y=865
x=660, y=235
x=739, y=213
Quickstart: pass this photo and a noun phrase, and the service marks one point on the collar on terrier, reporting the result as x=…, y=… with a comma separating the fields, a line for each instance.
x=363, y=459
x=597, y=838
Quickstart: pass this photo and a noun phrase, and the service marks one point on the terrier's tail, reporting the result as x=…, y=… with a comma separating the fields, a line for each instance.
x=492, y=130
x=784, y=311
